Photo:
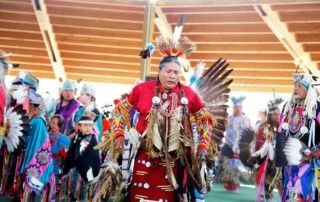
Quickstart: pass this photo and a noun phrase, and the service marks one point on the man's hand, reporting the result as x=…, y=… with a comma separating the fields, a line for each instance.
x=119, y=144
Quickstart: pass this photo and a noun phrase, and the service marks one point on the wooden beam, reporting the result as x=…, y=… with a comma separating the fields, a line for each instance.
x=106, y=72
x=308, y=37
x=95, y=57
x=205, y=3
x=38, y=74
x=315, y=57
x=120, y=65
x=311, y=47
x=148, y=29
x=27, y=52
x=16, y=25
x=41, y=12
x=100, y=50
x=162, y=23
x=17, y=43
x=91, y=13
x=195, y=57
x=217, y=18
x=86, y=40
x=300, y=16
x=96, y=5
x=236, y=37
x=304, y=27
x=244, y=48
x=235, y=57
x=207, y=9
x=281, y=31
x=223, y=28
x=14, y=6
x=95, y=23
x=259, y=81
x=21, y=17
x=21, y=35
x=81, y=31
x=30, y=60
x=296, y=7
x=102, y=78
x=35, y=67
x=255, y=88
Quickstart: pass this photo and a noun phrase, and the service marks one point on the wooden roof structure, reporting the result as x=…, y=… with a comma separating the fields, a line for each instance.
x=100, y=40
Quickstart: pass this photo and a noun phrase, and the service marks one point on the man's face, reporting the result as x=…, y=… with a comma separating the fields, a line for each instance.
x=299, y=92
x=237, y=109
x=85, y=128
x=68, y=95
x=169, y=75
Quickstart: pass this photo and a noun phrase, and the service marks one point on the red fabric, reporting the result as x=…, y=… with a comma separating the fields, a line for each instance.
x=260, y=139
x=155, y=176
x=260, y=172
x=141, y=98
x=2, y=102
x=106, y=124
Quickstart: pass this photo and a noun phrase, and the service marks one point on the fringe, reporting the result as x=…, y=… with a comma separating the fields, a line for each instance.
x=203, y=121
x=108, y=181
x=107, y=143
x=149, y=142
x=63, y=194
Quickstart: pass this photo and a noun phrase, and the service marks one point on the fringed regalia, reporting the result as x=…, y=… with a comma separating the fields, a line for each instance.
x=299, y=129
x=59, y=148
x=37, y=165
x=13, y=123
x=233, y=167
x=264, y=156
x=165, y=164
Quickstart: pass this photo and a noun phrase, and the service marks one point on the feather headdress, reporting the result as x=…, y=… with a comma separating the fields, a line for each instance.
x=174, y=46
x=273, y=105
x=4, y=60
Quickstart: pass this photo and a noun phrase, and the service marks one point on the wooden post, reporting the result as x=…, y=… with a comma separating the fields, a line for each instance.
x=148, y=29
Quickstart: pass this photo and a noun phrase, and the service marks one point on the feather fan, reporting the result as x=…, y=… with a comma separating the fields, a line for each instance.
x=16, y=124
x=245, y=142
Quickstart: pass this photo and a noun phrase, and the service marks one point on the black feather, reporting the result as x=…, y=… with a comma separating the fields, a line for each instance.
x=145, y=53
x=281, y=140
x=25, y=126
x=244, y=155
x=212, y=66
x=247, y=136
x=25, y=119
x=227, y=151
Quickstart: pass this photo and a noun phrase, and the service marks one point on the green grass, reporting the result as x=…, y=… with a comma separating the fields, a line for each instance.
x=246, y=194
x=219, y=194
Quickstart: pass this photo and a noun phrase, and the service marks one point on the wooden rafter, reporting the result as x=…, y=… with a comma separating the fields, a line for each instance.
x=280, y=30
x=49, y=39
x=204, y=3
